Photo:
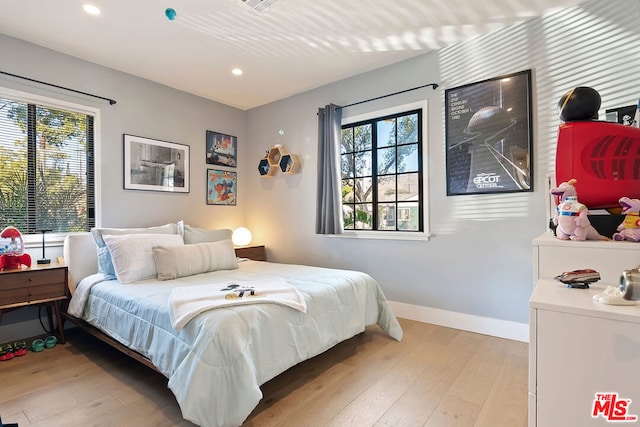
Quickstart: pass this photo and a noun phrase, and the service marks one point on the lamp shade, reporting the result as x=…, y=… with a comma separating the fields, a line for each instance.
x=241, y=236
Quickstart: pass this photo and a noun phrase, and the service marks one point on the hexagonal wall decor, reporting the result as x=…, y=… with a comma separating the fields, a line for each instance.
x=266, y=169
x=289, y=164
x=277, y=158
x=275, y=154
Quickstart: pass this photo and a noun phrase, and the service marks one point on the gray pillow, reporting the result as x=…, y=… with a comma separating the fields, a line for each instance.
x=181, y=261
x=203, y=235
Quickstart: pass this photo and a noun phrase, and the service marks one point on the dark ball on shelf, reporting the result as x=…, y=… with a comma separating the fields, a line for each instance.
x=580, y=103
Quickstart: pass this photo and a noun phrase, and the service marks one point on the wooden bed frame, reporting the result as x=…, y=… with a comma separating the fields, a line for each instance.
x=108, y=340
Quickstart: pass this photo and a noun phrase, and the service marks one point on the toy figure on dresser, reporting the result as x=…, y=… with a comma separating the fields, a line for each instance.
x=630, y=227
x=571, y=220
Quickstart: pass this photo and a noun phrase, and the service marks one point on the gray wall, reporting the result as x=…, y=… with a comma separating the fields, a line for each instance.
x=144, y=109
x=479, y=259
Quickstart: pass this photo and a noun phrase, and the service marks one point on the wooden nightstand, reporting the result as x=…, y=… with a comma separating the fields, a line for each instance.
x=256, y=253
x=39, y=284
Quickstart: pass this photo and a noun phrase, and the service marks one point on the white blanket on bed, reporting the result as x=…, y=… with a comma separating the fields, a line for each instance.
x=186, y=302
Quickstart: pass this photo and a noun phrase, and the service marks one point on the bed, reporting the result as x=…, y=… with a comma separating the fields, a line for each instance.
x=216, y=357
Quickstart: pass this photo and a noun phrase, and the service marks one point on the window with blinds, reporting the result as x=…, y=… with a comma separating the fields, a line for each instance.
x=46, y=168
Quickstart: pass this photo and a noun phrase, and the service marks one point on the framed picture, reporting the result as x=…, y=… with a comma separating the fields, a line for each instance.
x=623, y=115
x=150, y=164
x=222, y=149
x=222, y=187
x=489, y=134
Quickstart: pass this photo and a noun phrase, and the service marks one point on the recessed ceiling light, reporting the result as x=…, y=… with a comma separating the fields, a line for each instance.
x=91, y=9
x=236, y=72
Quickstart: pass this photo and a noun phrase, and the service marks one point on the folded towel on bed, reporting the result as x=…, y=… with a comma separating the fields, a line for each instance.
x=186, y=302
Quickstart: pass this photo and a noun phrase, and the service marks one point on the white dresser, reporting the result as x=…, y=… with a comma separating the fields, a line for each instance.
x=579, y=347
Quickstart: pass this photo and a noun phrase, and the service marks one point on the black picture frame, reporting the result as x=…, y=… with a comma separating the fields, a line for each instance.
x=154, y=165
x=222, y=149
x=622, y=115
x=489, y=136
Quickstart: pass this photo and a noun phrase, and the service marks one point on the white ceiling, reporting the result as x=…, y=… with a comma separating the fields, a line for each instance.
x=290, y=47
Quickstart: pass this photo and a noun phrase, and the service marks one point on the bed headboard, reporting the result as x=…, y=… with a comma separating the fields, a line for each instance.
x=80, y=255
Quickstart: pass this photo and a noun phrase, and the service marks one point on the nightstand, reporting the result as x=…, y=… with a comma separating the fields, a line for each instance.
x=37, y=285
x=256, y=253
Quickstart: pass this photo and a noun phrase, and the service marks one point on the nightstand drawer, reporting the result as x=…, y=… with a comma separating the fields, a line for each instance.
x=256, y=253
x=37, y=285
x=32, y=278
x=32, y=293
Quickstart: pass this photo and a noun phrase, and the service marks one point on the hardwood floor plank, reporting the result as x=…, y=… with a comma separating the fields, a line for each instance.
x=504, y=406
x=373, y=402
x=435, y=376
x=453, y=412
x=479, y=374
x=368, y=367
x=448, y=352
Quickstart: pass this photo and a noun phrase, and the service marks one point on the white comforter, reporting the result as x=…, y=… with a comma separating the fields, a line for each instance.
x=217, y=362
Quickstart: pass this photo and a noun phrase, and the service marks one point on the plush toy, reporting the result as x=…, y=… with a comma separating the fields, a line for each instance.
x=629, y=229
x=572, y=220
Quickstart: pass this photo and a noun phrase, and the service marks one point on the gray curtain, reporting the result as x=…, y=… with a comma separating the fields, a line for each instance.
x=329, y=204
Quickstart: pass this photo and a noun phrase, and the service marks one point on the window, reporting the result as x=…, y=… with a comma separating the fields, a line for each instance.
x=46, y=167
x=381, y=161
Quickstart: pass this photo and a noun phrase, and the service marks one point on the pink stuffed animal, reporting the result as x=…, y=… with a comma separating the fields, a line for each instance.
x=629, y=229
x=572, y=219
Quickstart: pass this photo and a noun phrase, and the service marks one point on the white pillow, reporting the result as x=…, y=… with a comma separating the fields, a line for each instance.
x=105, y=264
x=132, y=254
x=180, y=261
x=202, y=235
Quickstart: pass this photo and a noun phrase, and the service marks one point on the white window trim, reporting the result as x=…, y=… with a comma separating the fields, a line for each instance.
x=57, y=239
x=398, y=235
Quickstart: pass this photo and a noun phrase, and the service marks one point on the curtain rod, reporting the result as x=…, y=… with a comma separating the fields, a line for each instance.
x=111, y=101
x=434, y=85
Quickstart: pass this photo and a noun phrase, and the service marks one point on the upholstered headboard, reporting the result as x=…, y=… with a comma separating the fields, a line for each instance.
x=80, y=256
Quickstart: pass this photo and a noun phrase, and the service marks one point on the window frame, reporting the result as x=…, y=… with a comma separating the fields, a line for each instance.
x=397, y=235
x=57, y=239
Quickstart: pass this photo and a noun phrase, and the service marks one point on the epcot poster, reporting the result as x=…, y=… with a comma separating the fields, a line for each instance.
x=489, y=136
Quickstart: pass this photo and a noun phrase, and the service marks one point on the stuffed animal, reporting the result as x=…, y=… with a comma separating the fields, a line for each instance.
x=629, y=229
x=572, y=220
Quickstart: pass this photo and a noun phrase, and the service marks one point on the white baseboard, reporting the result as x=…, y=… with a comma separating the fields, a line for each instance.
x=466, y=322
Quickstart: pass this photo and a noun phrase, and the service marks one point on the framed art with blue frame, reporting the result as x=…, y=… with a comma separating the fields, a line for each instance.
x=222, y=187
x=222, y=149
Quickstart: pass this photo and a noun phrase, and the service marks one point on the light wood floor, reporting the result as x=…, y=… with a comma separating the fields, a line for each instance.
x=435, y=377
